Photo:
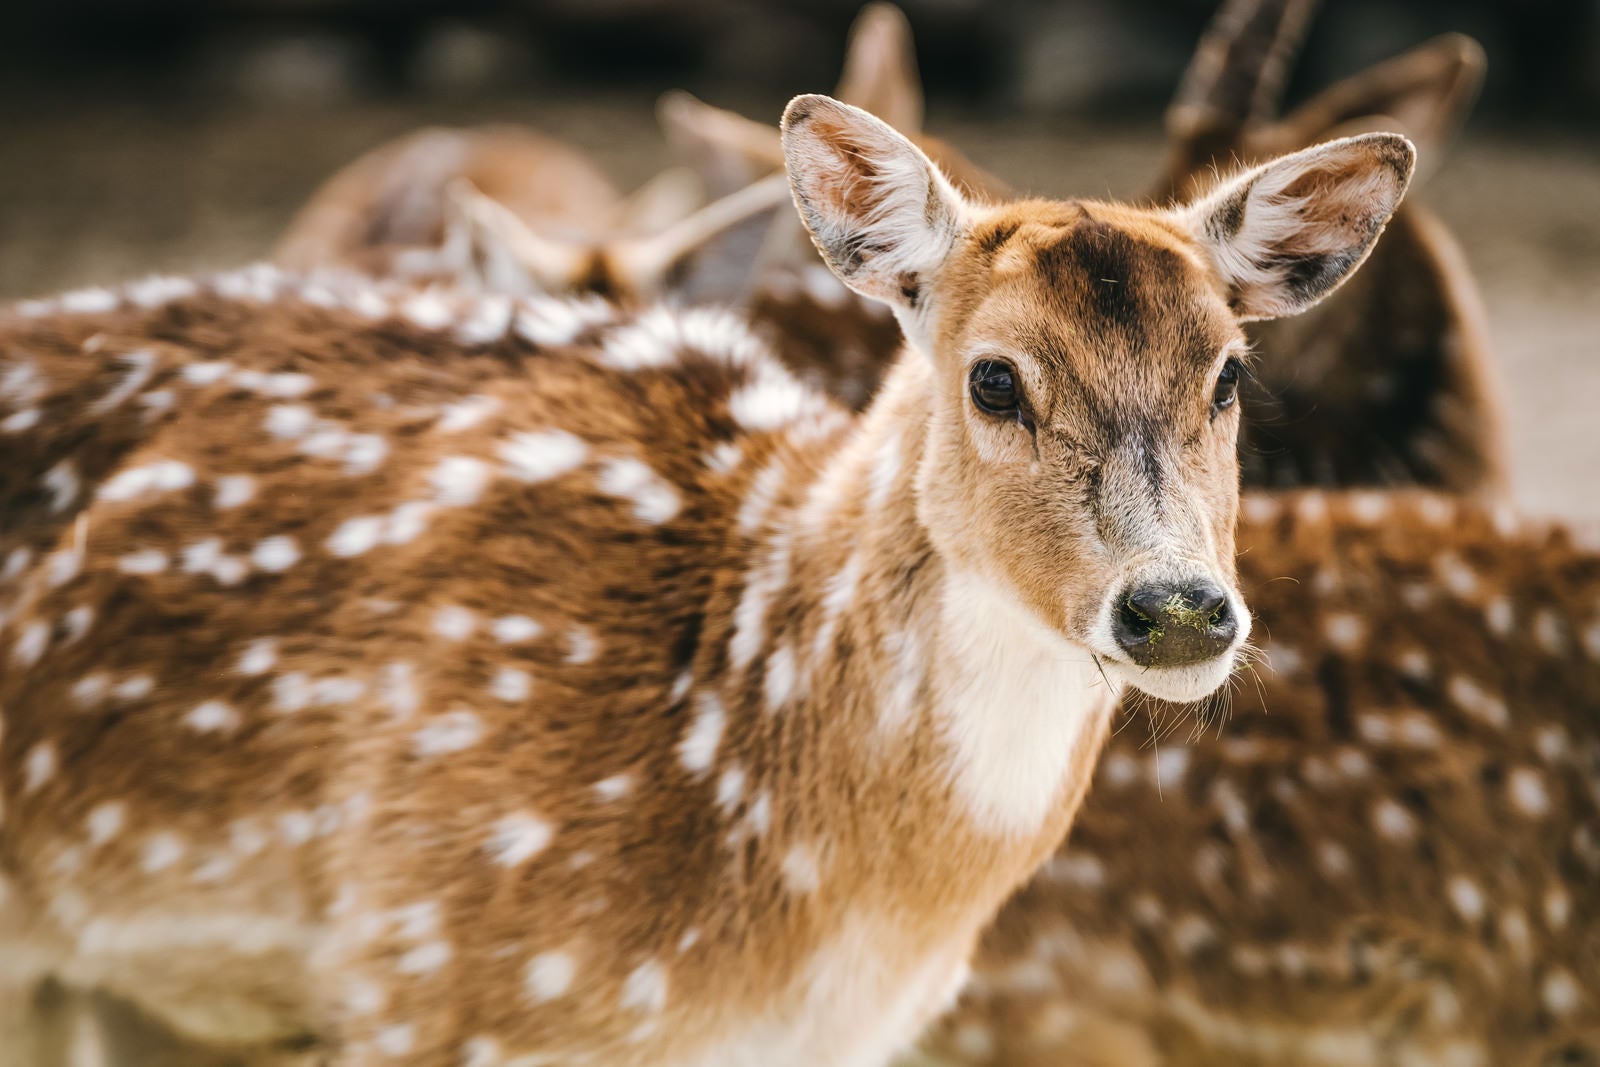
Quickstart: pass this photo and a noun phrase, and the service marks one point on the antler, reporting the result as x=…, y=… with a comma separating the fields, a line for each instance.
x=1238, y=71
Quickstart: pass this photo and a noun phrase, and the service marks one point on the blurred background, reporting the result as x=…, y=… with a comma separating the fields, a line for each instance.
x=142, y=135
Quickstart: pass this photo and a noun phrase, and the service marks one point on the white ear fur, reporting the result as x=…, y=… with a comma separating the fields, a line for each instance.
x=1284, y=235
x=879, y=211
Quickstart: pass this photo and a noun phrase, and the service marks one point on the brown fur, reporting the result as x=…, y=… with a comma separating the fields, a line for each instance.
x=1231, y=895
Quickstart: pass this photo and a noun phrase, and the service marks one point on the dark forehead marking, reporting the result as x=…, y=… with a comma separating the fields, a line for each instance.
x=1120, y=282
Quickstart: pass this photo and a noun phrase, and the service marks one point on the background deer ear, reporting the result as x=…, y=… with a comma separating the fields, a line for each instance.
x=879, y=211
x=726, y=149
x=666, y=198
x=1286, y=234
x=880, y=68
x=1425, y=93
x=489, y=247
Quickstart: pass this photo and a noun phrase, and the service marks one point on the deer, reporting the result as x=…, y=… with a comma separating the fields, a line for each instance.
x=417, y=675
x=1390, y=854
x=1392, y=380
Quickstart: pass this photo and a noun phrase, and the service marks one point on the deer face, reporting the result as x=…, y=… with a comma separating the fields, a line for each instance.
x=1081, y=446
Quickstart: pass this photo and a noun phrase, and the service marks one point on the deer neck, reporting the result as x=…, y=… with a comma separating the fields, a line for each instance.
x=912, y=707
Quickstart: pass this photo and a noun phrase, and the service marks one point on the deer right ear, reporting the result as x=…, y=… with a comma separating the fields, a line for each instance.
x=1285, y=235
x=879, y=211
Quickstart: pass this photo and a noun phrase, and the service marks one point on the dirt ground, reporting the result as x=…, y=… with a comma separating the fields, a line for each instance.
x=101, y=192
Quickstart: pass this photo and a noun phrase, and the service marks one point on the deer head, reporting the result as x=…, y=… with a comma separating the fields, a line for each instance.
x=1086, y=360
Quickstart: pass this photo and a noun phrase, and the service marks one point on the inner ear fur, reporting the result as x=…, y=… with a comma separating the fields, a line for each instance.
x=1286, y=234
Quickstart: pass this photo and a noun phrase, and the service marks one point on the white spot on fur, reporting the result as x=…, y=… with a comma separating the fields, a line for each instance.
x=451, y=732
x=518, y=838
x=1394, y=822
x=39, y=767
x=549, y=976
x=779, y=680
x=541, y=456
x=1560, y=993
x=162, y=476
x=105, y=821
x=426, y=958
x=140, y=366
x=63, y=485
x=213, y=716
x=800, y=869
x=31, y=643
x=1528, y=794
x=1500, y=616
x=289, y=421
x=160, y=852
x=396, y=1040
x=135, y=688
x=698, y=749
x=614, y=788
x=1345, y=632
x=514, y=629
x=465, y=414
x=511, y=685
x=234, y=490
x=428, y=310
x=724, y=457
x=454, y=623
x=1467, y=899
x=275, y=554
x=654, y=500
x=550, y=322
x=459, y=481
x=1549, y=632
x=1460, y=579
x=1478, y=702
x=258, y=657
x=763, y=492
x=397, y=688
x=582, y=645
x=645, y=988
x=771, y=401
x=730, y=789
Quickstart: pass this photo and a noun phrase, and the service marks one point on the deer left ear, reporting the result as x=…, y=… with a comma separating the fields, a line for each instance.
x=882, y=215
x=1285, y=235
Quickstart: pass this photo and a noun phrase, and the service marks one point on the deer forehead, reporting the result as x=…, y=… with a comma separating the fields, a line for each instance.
x=1108, y=302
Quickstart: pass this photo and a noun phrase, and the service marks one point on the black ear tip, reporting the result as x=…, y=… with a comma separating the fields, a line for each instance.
x=801, y=110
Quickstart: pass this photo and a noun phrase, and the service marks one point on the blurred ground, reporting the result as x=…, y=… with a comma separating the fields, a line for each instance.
x=101, y=191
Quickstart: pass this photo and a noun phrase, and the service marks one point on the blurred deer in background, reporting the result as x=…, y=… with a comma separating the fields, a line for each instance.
x=1388, y=857
x=1392, y=382
x=446, y=678
x=421, y=207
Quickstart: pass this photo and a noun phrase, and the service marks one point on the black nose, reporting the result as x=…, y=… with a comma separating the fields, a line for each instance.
x=1171, y=626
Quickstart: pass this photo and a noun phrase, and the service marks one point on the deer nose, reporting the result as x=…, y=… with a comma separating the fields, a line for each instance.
x=1162, y=625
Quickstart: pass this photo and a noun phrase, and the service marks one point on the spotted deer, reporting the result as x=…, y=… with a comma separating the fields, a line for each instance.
x=431, y=677
x=1389, y=856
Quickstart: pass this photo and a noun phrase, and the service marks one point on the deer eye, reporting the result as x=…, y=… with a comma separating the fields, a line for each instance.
x=993, y=386
x=1227, y=389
